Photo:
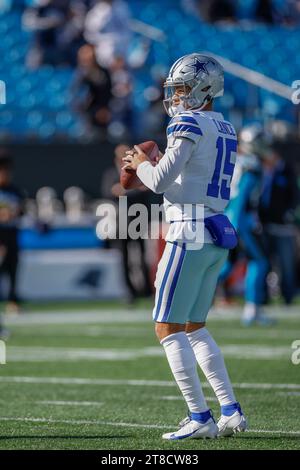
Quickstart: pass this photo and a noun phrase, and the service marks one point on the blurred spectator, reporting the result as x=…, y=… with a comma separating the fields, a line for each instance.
x=70, y=35
x=45, y=19
x=4, y=333
x=97, y=81
x=74, y=204
x=217, y=10
x=107, y=28
x=294, y=7
x=288, y=12
x=155, y=119
x=121, y=105
x=48, y=206
x=133, y=251
x=278, y=202
x=264, y=11
x=11, y=202
x=243, y=214
x=191, y=7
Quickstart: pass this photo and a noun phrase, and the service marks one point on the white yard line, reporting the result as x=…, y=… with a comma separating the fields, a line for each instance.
x=70, y=403
x=130, y=316
x=80, y=317
x=135, y=382
x=62, y=331
x=89, y=330
x=83, y=421
x=48, y=354
x=126, y=425
x=254, y=333
x=288, y=394
x=85, y=381
x=276, y=431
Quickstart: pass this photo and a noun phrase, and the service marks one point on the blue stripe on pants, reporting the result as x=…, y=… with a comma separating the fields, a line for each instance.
x=174, y=283
x=166, y=275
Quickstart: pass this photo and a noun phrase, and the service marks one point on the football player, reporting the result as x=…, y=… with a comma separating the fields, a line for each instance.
x=195, y=170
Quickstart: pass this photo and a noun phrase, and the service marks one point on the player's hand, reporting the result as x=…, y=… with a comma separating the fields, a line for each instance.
x=134, y=158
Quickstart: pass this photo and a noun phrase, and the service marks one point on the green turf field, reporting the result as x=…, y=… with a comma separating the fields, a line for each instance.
x=86, y=379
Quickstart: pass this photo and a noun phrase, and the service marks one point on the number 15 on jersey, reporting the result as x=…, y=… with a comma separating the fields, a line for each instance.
x=220, y=186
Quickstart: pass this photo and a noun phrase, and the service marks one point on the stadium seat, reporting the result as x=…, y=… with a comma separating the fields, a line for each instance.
x=263, y=48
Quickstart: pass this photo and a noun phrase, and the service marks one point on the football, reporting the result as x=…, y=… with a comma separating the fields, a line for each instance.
x=129, y=178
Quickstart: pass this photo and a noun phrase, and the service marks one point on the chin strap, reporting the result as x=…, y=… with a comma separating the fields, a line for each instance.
x=173, y=110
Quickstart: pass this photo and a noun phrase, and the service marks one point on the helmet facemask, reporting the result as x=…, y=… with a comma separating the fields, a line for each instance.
x=175, y=103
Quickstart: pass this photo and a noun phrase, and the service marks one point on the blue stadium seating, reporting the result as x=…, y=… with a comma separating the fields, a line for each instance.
x=39, y=102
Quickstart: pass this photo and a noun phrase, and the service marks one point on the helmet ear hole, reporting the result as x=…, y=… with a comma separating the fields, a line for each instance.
x=206, y=88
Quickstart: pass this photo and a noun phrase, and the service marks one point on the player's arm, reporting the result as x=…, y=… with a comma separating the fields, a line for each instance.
x=158, y=178
x=183, y=133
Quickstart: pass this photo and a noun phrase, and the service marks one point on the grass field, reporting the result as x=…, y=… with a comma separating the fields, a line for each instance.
x=98, y=379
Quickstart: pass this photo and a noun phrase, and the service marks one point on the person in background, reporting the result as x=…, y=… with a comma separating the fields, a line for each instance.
x=70, y=36
x=4, y=333
x=243, y=214
x=214, y=11
x=155, y=121
x=133, y=251
x=97, y=82
x=278, y=202
x=292, y=16
x=264, y=11
x=45, y=19
x=11, y=202
x=121, y=102
x=107, y=28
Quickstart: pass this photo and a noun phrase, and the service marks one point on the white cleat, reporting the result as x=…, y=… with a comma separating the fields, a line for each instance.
x=194, y=430
x=229, y=425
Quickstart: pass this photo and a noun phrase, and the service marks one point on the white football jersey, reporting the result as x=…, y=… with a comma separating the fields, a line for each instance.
x=206, y=177
x=196, y=169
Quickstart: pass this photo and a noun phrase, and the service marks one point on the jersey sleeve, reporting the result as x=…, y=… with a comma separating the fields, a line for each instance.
x=158, y=178
x=184, y=125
